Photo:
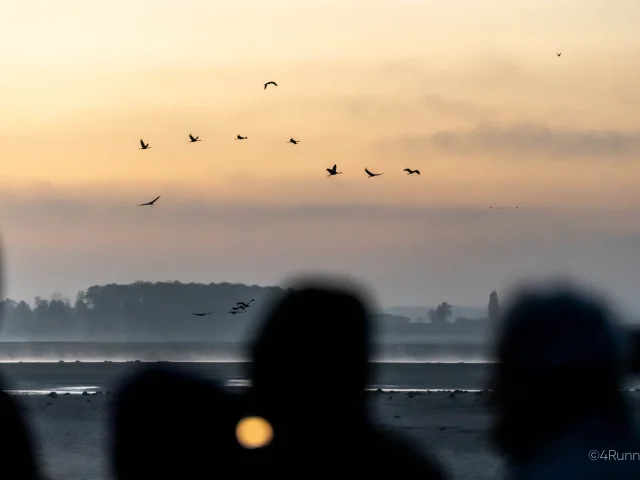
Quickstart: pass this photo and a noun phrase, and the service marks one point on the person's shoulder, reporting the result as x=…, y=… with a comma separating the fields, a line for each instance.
x=402, y=457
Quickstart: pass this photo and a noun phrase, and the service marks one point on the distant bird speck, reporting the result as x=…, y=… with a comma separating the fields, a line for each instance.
x=291, y=140
x=371, y=174
x=193, y=139
x=149, y=203
x=411, y=172
x=270, y=83
x=143, y=145
x=333, y=171
x=240, y=137
x=202, y=314
x=558, y=54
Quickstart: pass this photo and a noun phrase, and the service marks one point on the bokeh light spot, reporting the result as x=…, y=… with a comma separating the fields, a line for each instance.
x=254, y=432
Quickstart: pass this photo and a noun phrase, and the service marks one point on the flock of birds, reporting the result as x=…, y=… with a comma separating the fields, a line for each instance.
x=332, y=171
x=239, y=307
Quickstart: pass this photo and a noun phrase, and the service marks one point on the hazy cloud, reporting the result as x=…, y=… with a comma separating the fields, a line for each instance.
x=528, y=140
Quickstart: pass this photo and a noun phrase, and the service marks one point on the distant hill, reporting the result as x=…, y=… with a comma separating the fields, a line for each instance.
x=420, y=313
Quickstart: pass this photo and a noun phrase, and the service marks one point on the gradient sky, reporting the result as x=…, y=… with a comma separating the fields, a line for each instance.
x=469, y=92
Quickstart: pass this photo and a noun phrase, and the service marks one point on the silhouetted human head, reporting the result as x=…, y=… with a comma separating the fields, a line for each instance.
x=310, y=358
x=17, y=458
x=171, y=425
x=549, y=346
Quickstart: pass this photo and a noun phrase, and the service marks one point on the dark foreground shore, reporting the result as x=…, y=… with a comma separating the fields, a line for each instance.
x=71, y=430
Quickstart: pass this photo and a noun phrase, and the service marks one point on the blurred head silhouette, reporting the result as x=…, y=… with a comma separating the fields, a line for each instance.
x=167, y=424
x=313, y=342
x=549, y=344
x=17, y=459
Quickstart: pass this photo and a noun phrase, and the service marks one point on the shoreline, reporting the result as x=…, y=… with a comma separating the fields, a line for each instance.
x=84, y=391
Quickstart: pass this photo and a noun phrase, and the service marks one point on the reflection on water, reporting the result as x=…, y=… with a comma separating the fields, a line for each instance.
x=71, y=390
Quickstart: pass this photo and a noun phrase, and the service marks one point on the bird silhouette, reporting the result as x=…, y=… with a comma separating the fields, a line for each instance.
x=333, y=171
x=371, y=174
x=240, y=137
x=193, y=139
x=411, y=172
x=270, y=83
x=143, y=145
x=149, y=203
x=245, y=305
x=558, y=54
x=291, y=140
x=239, y=307
x=234, y=312
x=202, y=314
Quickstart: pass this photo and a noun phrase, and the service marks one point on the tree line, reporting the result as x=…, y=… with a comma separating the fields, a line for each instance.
x=163, y=311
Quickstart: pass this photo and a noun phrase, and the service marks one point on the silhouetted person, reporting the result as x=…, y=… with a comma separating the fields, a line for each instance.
x=170, y=425
x=309, y=371
x=557, y=393
x=17, y=458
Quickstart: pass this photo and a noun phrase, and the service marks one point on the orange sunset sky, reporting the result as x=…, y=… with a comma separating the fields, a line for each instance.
x=469, y=92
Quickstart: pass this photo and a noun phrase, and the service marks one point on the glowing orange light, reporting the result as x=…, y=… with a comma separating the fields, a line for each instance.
x=254, y=432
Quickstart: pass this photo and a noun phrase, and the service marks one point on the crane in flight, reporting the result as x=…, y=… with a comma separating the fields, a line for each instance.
x=202, y=314
x=240, y=137
x=270, y=83
x=333, y=171
x=411, y=172
x=149, y=203
x=143, y=146
x=193, y=139
x=371, y=174
x=291, y=140
x=245, y=305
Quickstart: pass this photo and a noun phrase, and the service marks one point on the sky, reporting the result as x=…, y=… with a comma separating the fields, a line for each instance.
x=470, y=93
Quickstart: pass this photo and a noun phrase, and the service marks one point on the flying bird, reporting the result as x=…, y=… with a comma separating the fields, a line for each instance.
x=234, y=312
x=270, y=83
x=411, y=172
x=143, y=145
x=332, y=171
x=371, y=174
x=193, y=139
x=202, y=314
x=291, y=140
x=245, y=305
x=558, y=54
x=150, y=203
x=240, y=137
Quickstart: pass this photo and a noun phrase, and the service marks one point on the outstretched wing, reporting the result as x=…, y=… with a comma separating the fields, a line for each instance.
x=155, y=199
x=142, y=143
x=368, y=172
x=407, y=170
x=191, y=137
x=417, y=171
